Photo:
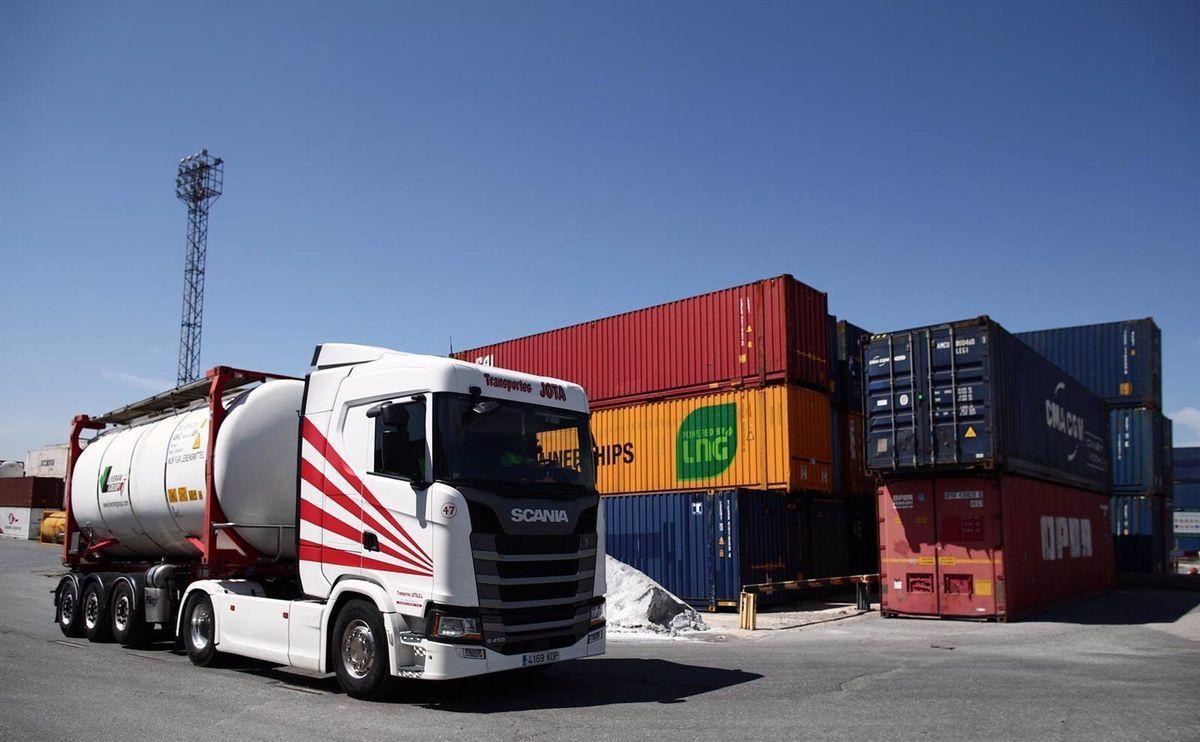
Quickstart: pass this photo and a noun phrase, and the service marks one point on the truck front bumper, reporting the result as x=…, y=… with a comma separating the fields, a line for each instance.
x=449, y=661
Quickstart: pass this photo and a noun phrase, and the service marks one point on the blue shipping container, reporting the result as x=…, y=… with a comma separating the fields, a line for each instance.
x=704, y=546
x=845, y=356
x=969, y=395
x=1142, y=528
x=1187, y=495
x=1187, y=463
x=1139, y=448
x=1119, y=361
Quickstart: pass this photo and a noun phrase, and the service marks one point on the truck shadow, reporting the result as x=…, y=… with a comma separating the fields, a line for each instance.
x=601, y=681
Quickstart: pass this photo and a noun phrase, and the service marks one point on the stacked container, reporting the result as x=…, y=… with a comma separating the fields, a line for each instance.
x=1122, y=363
x=1186, y=499
x=995, y=474
x=713, y=426
x=851, y=514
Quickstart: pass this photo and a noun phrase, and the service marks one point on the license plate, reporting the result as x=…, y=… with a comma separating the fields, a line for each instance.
x=539, y=658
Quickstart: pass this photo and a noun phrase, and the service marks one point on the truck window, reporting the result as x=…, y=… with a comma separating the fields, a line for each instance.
x=400, y=441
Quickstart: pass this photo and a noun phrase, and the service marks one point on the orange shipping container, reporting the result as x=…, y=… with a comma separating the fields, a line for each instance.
x=774, y=438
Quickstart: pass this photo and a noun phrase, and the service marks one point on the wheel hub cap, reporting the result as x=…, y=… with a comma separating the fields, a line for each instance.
x=66, y=606
x=358, y=648
x=201, y=626
x=121, y=613
x=91, y=610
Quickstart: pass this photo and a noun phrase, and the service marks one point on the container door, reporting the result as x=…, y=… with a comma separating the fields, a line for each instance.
x=724, y=553
x=968, y=522
x=908, y=547
x=959, y=397
x=897, y=419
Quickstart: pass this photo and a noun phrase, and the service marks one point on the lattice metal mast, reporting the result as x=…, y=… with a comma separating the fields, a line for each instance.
x=198, y=184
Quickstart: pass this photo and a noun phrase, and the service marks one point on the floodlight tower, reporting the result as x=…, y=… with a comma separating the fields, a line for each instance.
x=198, y=184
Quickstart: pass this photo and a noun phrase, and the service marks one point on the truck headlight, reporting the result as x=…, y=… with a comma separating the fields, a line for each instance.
x=454, y=627
x=597, y=616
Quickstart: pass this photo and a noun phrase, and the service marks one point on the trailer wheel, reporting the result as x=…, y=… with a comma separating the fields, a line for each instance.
x=360, y=655
x=127, y=620
x=199, y=629
x=70, y=616
x=95, y=613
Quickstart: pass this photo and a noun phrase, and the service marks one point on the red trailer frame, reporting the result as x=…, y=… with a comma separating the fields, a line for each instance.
x=82, y=554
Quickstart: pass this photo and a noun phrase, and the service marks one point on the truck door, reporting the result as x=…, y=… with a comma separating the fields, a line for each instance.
x=395, y=527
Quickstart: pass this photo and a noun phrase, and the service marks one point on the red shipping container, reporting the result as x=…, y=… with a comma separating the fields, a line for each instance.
x=990, y=547
x=768, y=331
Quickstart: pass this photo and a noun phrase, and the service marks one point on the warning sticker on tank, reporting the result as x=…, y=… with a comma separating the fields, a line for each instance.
x=983, y=587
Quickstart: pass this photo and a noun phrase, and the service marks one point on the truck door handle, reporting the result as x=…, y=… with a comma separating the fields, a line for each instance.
x=370, y=541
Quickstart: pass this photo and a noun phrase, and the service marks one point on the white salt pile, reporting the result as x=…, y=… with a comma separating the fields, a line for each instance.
x=636, y=603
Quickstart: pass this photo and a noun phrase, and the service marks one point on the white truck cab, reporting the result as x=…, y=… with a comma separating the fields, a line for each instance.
x=435, y=535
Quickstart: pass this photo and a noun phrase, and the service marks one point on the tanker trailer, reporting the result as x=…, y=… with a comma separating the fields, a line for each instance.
x=388, y=515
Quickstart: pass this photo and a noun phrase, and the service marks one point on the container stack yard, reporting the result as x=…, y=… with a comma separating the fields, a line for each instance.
x=1186, y=500
x=1122, y=363
x=716, y=423
x=995, y=469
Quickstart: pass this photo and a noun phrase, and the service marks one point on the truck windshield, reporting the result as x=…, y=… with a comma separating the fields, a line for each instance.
x=480, y=439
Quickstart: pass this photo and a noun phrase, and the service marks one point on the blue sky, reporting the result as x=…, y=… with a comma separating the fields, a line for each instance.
x=397, y=173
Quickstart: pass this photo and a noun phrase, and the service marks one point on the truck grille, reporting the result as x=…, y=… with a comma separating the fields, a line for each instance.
x=535, y=592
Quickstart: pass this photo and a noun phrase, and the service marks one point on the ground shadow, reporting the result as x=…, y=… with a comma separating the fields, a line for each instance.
x=601, y=681
x=1124, y=607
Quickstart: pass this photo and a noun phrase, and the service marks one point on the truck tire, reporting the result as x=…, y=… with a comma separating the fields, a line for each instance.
x=94, y=606
x=199, y=629
x=360, y=650
x=128, y=626
x=70, y=615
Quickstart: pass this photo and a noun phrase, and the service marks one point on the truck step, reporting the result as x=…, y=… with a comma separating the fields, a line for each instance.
x=411, y=638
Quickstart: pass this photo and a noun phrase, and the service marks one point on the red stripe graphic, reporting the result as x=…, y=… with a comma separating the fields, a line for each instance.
x=319, y=442
x=313, y=552
x=318, y=517
x=309, y=473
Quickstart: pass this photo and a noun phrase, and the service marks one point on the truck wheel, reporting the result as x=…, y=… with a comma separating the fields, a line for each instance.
x=360, y=652
x=199, y=630
x=127, y=620
x=70, y=615
x=95, y=613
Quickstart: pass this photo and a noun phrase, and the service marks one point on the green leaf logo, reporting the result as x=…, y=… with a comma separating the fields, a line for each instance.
x=104, y=478
x=706, y=442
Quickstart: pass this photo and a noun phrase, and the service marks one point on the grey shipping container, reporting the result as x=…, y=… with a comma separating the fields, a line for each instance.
x=704, y=546
x=969, y=395
x=1119, y=361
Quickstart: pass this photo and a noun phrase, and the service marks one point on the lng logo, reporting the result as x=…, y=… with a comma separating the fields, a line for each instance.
x=706, y=442
x=538, y=515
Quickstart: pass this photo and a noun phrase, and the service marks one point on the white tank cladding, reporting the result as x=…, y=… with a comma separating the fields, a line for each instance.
x=144, y=485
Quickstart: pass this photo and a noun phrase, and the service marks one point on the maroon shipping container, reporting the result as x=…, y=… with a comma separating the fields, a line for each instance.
x=748, y=336
x=990, y=547
x=31, y=492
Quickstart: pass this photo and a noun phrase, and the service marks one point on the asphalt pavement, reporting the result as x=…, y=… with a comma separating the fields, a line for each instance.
x=1122, y=666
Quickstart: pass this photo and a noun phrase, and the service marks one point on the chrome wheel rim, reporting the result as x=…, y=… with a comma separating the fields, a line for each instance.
x=91, y=610
x=121, y=612
x=66, y=607
x=358, y=648
x=201, y=626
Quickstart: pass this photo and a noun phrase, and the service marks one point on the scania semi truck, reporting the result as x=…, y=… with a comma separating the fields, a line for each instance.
x=390, y=514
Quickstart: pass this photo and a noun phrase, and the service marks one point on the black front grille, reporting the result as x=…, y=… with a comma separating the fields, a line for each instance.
x=530, y=604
